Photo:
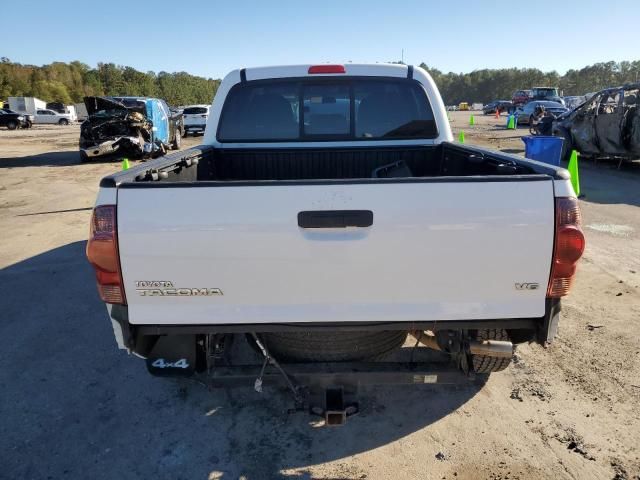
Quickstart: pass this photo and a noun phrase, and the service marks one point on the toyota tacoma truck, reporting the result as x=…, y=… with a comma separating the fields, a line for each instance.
x=328, y=215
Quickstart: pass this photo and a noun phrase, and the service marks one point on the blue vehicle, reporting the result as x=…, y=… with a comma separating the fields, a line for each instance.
x=136, y=127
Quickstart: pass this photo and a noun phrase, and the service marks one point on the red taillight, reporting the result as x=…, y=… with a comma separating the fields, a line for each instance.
x=102, y=252
x=568, y=248
x=326, y=69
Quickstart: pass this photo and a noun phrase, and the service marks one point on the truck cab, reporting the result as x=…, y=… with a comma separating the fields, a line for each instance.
x=550, y=94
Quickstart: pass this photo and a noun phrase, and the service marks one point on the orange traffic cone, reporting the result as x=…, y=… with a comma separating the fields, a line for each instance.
x=497, y=113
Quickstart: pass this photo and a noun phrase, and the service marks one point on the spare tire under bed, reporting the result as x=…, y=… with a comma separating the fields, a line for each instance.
x=331, y=346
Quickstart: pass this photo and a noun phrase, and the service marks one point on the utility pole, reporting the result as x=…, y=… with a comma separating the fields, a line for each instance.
x=402, y=61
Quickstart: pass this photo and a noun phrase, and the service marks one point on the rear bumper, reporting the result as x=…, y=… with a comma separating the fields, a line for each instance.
x=540, y=330
x=130, y=145
x=101, y=150
x=200, y=128
x=519, y=323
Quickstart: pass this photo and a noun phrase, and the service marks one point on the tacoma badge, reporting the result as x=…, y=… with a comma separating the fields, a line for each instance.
x=167, y=289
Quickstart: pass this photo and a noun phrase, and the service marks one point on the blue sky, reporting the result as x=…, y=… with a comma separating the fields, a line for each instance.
x=209, y=38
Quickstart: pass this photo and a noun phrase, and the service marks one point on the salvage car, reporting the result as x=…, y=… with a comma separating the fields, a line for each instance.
x=500, y=105
x=605, y=126
x=525, y=113
x=327, y=215
x=13, y=120
x=138, y=127
x=573, y=101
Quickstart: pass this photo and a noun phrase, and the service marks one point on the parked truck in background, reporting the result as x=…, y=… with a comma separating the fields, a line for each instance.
x=195, y=118
x=138, y=127
x=549, y=94
x=327, y=214
x=40, y=111
x=46, y=116
x=60, y=107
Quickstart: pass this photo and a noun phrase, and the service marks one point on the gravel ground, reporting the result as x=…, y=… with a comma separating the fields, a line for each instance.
x=73, y=406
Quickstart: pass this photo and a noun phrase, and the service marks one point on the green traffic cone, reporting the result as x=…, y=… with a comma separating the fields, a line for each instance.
x=472, y=121
x=461, y=137
x=512, y=123
x=573, y=170
x=125, y=164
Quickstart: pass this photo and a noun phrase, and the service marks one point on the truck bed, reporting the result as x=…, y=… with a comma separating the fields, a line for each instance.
x=444, y=160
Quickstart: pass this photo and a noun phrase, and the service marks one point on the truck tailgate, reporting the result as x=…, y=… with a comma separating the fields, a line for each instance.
x=438, y=249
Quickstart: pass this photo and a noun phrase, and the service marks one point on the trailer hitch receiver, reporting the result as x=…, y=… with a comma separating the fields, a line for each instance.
x=336, y=411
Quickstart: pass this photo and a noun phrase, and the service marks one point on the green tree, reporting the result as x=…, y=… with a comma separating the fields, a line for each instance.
x=70, y=82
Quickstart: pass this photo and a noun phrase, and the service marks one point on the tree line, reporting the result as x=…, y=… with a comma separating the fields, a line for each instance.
x=70, y=82
x=499, y=84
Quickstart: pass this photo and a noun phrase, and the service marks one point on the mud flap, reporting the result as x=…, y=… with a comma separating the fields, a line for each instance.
x=549, y=327
x=173, y=356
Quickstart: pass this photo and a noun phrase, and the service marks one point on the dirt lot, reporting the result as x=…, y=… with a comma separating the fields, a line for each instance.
x=73, y=406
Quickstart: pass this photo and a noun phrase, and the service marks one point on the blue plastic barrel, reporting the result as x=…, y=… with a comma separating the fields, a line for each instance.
x=543, y=149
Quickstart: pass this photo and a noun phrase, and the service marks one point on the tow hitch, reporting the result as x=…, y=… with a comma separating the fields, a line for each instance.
x=330, y=389
x=336, y=410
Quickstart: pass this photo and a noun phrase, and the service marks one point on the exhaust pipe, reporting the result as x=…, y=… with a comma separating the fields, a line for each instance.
x=426, y=339
x=489, y=348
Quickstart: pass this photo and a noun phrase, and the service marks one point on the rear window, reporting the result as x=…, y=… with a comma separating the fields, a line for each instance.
x=195, y=110
x=312, y=110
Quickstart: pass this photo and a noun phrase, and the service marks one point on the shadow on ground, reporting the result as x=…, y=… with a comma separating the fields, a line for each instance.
x=602, y=182
x=72, y=403
x=49, y=159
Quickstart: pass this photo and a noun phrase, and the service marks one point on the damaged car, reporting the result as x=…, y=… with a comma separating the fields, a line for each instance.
x=135, y=127
x=605, y=126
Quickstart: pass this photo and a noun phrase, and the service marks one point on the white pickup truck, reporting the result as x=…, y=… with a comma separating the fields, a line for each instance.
x=327, y=215
x=51, y=116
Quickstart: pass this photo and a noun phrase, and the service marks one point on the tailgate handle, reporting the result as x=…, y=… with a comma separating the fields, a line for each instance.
x=335, y=218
